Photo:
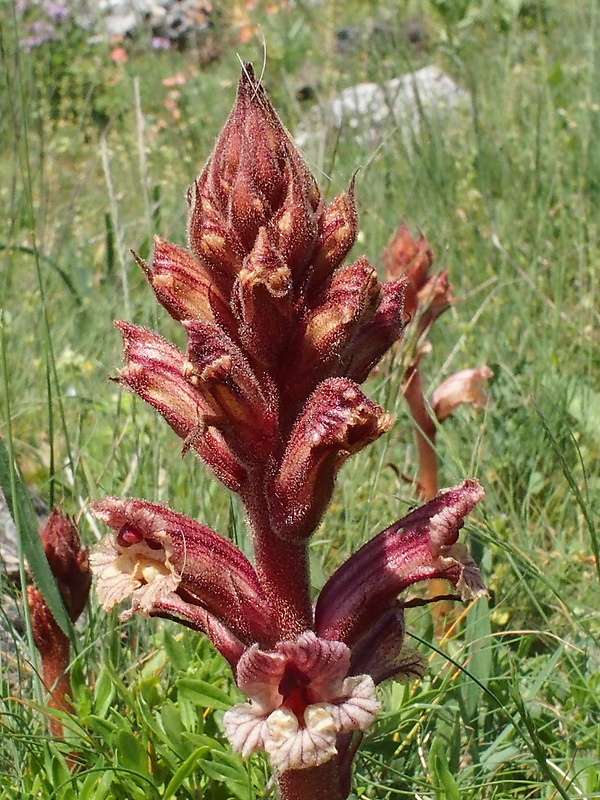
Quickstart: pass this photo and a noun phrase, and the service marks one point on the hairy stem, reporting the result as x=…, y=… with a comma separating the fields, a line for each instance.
x=317, y=783
x=283, y=571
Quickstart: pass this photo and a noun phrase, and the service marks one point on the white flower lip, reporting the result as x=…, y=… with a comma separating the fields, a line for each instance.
x=299, y=730
x=137, y=571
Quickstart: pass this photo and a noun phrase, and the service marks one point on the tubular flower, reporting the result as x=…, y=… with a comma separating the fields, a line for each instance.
x=421, y=546
x=157, y=553
x=300, y=701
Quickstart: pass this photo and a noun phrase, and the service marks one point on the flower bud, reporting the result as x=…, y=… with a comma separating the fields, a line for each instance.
x=263, y=302
x=294, y=227
x=406, y=256
x=337, y=421
x=337, y=233
x=184, y=287
x=435, y=297
x=375, y=338
x=219, y=371
x=347, y=301
x=154, y=371
x=381, y=653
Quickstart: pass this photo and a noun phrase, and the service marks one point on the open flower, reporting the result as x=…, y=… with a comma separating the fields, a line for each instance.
x=421, y=546
x=300, y=701
x=157, y=553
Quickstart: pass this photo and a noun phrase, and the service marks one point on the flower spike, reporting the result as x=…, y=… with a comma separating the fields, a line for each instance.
x=280, y=333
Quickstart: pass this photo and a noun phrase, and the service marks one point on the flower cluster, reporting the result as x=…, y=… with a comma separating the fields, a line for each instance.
x=280, y=335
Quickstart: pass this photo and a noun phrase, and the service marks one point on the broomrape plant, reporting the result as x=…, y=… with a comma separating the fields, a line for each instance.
x=280, y=335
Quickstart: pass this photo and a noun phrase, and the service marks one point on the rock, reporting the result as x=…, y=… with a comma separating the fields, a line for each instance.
x=368, y=108
x=180, y=22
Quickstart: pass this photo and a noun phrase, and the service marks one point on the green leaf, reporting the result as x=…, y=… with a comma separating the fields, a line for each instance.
x=131, y=753
x=202, y=693
x=445, y=787
x=228, y=769
x=25, y=520
x=104, y=692
x=479, y=657
x=184, y=771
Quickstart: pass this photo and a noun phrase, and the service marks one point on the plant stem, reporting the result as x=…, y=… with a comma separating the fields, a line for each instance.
x=283, y=571
x=425, y=431
x=317, y=783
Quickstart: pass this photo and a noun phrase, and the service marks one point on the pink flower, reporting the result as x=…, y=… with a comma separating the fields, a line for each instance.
x=466, y=386
x=301, y=700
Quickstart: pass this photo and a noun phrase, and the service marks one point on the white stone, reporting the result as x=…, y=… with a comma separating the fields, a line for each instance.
x=368, y=108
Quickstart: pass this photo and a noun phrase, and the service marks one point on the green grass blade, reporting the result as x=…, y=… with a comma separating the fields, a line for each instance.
x=26, y=523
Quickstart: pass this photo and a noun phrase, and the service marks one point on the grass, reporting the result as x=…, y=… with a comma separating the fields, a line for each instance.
x=509, y=200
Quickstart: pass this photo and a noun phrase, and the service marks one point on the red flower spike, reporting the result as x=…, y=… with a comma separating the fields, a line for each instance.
x=418, y=547
x=337, y=421
x=279, y=335
x=177, y=556
x=68, y=562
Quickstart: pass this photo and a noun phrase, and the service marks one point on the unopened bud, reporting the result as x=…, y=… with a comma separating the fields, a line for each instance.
x=154, y=370
x=184, y=286
x=338, y=421
x=221, y=374
x=347, y=301
x=404, y=255
x=68, y=561
x=337, y=232
x=375, y=338
x=263, y=301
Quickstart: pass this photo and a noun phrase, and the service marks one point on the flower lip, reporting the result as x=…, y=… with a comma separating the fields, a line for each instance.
x=300, y=701
x=155, y=552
